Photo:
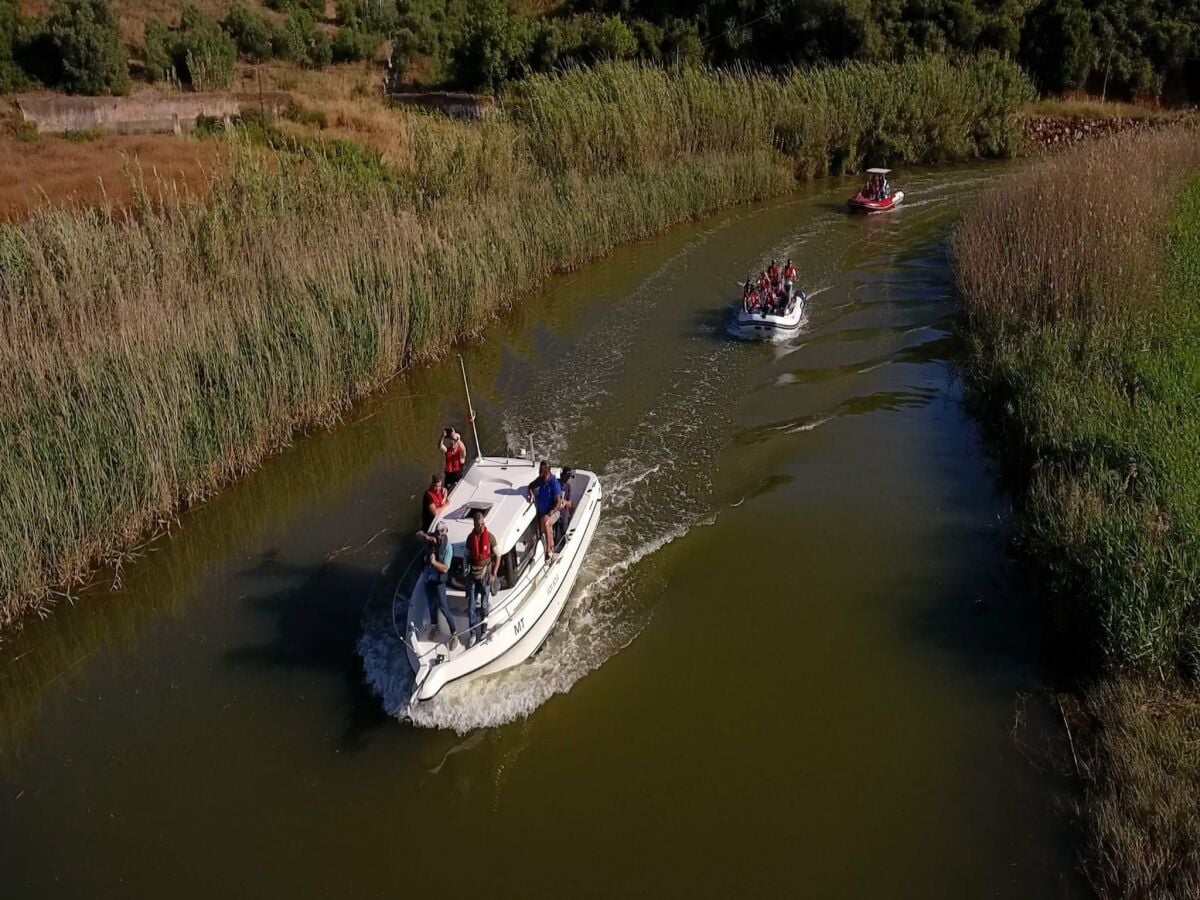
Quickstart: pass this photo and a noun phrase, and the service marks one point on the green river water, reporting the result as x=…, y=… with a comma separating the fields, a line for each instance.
x=794, y=662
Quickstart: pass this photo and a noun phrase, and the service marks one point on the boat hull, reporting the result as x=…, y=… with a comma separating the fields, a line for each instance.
x=518, y=630
x=755, y=326
x=859, y=203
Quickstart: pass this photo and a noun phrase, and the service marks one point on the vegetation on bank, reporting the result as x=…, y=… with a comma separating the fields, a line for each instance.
x=146, y=359
x=1145, y=49
x=1083, y=342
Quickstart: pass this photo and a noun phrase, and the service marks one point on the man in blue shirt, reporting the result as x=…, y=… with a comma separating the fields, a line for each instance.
x=546, y=492
x=437, y=573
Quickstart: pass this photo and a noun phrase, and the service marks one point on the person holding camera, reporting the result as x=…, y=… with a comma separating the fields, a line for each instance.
x=455, y=450
x=483, y=565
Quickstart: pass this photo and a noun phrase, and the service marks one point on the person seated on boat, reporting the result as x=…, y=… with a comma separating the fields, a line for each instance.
x=789, y=278
x=773, y=273
x=885, y=188
x=437, y=573
x=456, y=455
x=546, y=492
x=565, y=507
x=437, y=498
x=482, y=565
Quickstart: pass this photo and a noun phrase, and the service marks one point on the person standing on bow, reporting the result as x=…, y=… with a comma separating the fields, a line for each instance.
x=455, y=450
x=483, y=565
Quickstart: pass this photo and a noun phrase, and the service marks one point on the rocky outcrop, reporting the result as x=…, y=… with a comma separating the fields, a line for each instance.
x=1044, y=133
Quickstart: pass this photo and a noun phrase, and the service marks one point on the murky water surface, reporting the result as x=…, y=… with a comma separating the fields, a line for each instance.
x=791, y=664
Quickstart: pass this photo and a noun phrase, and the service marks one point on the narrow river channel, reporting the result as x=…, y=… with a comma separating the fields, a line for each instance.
x=793, y=663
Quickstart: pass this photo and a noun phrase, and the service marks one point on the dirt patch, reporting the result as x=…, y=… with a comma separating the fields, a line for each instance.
x=80, y=174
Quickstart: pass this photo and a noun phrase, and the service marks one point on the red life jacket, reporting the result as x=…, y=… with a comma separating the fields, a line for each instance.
x=789, y=273
x=454, y=462
x=773, y=273
x=436, y=495
x=479, y=545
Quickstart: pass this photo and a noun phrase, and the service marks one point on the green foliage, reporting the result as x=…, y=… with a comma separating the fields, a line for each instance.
x=12, y=76
x=156, y=51
x=370, y=16
x=351, y=45
x=87, y=40
x=314, y=8
x=251, y=32
x=299, y=40
x=494, y=46
x=197, y=52
x=1057, y=44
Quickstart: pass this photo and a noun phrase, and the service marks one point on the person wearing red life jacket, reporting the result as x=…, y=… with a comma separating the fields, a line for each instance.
x=789, y=278
x=482, y=567
x=456, y=456
x=436, y=499
x=773, y=273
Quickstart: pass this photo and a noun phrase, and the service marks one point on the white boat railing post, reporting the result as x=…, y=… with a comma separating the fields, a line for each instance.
x=470, y=408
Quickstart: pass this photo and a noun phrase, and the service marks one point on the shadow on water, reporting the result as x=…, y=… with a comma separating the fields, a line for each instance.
x=318, y=620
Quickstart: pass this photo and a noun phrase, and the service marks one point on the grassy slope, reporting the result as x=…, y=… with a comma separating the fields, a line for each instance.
x=1083, y=332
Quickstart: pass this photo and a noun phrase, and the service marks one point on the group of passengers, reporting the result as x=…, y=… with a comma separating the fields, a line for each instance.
x=481, y=561
x=771, y=292
x=878, y=187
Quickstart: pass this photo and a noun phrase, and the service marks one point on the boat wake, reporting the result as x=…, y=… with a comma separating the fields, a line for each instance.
x=648, y=504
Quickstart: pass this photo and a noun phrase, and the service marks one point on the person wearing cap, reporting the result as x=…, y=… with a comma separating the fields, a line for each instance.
x=456, y=455
x=437, y=573
x=546, y=492
x=483, y=565
x=436, y=499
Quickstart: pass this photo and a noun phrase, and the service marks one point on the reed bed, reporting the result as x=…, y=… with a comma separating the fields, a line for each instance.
x=147, y=359
x=1079, y=277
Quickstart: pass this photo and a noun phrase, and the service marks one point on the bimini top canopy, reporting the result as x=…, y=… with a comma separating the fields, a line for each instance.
x=878, y=171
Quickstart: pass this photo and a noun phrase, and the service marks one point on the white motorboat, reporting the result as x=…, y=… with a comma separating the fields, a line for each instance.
x=769, y=324
x=531, y=592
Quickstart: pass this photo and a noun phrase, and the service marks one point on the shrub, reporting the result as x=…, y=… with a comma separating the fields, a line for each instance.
x=493, y=48
x=610, y=38
x=197, y=52
x=370, y=16
x=156, y=51
x=649, y=39
x=351, y=45
x=301, y=41
x=681, y=43
x=11, y=76
x=88, y=43
x=315, y=8
x=251, y=33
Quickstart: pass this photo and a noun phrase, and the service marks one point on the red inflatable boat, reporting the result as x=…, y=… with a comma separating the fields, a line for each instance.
x=866, y=199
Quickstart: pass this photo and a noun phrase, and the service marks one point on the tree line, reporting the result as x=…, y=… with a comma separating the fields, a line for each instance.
x=1123, y=49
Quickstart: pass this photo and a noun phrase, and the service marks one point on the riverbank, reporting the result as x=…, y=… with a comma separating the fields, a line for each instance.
x=1081, y=335
x=149, y=359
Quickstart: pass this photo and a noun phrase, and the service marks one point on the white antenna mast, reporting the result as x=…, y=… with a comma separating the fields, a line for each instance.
x=470, y=408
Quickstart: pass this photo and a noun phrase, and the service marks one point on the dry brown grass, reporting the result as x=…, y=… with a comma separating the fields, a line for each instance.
x=1083, y=106
x=1080, y=236
x=1141, y=768
x=81, y=174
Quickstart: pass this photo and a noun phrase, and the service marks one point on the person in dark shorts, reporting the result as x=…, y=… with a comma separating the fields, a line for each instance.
x=456, y=456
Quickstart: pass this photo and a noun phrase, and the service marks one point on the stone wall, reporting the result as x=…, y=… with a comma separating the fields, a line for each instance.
x=1052, y=132
x=140, y=114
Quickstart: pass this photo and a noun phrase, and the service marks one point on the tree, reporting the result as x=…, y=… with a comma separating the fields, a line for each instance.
x=251, y=33
x=87, y=40
x=11, y=76
x=1057, y=47
x=610, y=38
x=494, y=46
